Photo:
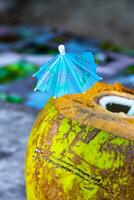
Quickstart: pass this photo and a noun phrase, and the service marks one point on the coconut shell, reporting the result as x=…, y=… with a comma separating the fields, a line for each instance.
x=78, y=150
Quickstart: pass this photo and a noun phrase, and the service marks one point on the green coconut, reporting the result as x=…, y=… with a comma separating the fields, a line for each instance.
x=80, y=150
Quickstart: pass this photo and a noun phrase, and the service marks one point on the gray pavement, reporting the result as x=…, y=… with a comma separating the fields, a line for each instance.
x=15, y=124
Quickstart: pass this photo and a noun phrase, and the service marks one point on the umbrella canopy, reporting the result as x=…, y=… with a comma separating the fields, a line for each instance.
x=67, y=73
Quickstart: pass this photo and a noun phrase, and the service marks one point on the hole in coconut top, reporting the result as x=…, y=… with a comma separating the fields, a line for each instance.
x=113, y=107
x=116, y=104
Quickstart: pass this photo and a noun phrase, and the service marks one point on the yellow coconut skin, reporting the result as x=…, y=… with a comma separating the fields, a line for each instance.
x=78, y=150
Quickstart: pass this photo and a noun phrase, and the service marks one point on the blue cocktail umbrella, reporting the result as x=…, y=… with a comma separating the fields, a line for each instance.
x=67, y=73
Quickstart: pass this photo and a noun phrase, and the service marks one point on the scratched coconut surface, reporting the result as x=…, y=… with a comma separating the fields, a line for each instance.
x=15, y=125
x=72, y=157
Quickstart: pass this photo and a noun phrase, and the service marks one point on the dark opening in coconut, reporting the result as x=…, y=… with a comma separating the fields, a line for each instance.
x=116, y=104
x=117, y=108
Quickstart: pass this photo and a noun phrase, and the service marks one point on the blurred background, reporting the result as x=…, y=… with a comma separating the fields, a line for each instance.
x=106, y=20
x=30, y=32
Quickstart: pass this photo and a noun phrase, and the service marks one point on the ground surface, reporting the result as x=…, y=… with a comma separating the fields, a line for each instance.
x=15, y=125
